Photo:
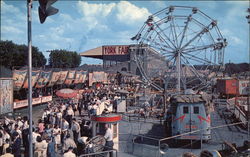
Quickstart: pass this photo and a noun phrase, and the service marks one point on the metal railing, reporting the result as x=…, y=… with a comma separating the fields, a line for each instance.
x=143, y=145
x=101, y=154
x=139, y=118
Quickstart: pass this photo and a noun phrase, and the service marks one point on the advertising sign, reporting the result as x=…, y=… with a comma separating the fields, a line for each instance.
x=97, y=77
x=6, y=95
x=78, y=76
x=70, y=77
x=35, y=101
x=43, y=79
x=115, y=50
x=19, y=78
x=54, y=78
x=34, y=78
x=46, y=99
x=83, y=76
x=63, y=76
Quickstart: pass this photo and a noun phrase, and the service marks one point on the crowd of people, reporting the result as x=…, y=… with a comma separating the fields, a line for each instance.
x=62, y=129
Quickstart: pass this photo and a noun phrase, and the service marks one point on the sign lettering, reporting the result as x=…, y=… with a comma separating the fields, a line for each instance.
x=115, y=50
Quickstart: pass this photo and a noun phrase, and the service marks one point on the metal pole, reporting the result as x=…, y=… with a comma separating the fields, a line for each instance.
x=29, y=6
x=178, y=71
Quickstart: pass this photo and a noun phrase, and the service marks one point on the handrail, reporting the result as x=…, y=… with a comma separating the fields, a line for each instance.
x=215, y=127
x=99, y=153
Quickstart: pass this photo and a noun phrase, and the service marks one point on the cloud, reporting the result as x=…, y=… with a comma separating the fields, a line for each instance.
x=108, y=23
x=231, y=37
x=95, y=10
x=9, y=9
x=124, y=12
x=129, y=13
x=236, y=40
x=10, y=29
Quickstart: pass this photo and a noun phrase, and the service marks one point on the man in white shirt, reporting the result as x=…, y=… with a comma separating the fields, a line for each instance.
x=65, y=127
x=19, y=123
x=34, y=136
x=109, y=139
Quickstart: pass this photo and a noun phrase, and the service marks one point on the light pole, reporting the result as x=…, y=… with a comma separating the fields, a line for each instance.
x=45, y=9
x=29, y=7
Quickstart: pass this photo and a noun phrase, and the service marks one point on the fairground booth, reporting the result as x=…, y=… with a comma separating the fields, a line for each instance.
x=123, y=57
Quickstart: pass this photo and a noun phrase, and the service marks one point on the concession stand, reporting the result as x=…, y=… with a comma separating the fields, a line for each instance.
x=98, y=126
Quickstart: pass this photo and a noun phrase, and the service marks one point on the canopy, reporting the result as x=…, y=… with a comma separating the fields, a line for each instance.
x=67, y=93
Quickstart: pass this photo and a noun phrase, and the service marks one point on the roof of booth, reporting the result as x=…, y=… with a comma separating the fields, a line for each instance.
x=93, y=53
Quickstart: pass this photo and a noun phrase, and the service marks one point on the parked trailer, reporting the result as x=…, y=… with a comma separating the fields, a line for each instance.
x=233, y=87
x=190, y=113
x=227, y=86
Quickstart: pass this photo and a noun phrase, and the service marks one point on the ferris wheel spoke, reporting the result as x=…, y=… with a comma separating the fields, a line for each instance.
x=162, y=32
x=195, y=58
x=202, y=32
x=192, y=68
x=161, y=49
x=173, y=28
x=198, y=48
x=161, y=45
x=185, y=30
x=168, y=77
x=163, y=40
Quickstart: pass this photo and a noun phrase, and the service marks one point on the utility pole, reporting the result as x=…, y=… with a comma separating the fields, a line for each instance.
x=45, y=9
x=29, y=7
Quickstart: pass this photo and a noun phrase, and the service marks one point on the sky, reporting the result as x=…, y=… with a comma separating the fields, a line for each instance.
x=83, y=25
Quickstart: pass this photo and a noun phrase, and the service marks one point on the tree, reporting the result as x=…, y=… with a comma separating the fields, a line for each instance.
x=64, y=59
x=16, y=56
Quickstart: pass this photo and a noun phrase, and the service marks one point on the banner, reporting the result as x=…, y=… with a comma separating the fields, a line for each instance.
x=70, y=77
x=43, y=79
x=46, y=99
x=78, y=77
x=97, y=77
x=19, y=78
x=6, y=95
x=35, y=101
x=54, y=78
x=34, y=78
x=83, y=77
x=63, y=76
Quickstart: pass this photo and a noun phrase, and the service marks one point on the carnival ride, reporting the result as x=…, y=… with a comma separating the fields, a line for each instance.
x=189, y=40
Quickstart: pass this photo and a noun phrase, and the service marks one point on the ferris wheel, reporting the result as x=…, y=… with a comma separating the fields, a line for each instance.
x=189, y=40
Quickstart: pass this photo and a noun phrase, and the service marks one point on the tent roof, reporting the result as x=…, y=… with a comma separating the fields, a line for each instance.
x=93, y=53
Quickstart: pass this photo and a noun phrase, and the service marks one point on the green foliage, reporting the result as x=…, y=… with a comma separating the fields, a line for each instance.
x=64, y=59
x=16, y=56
